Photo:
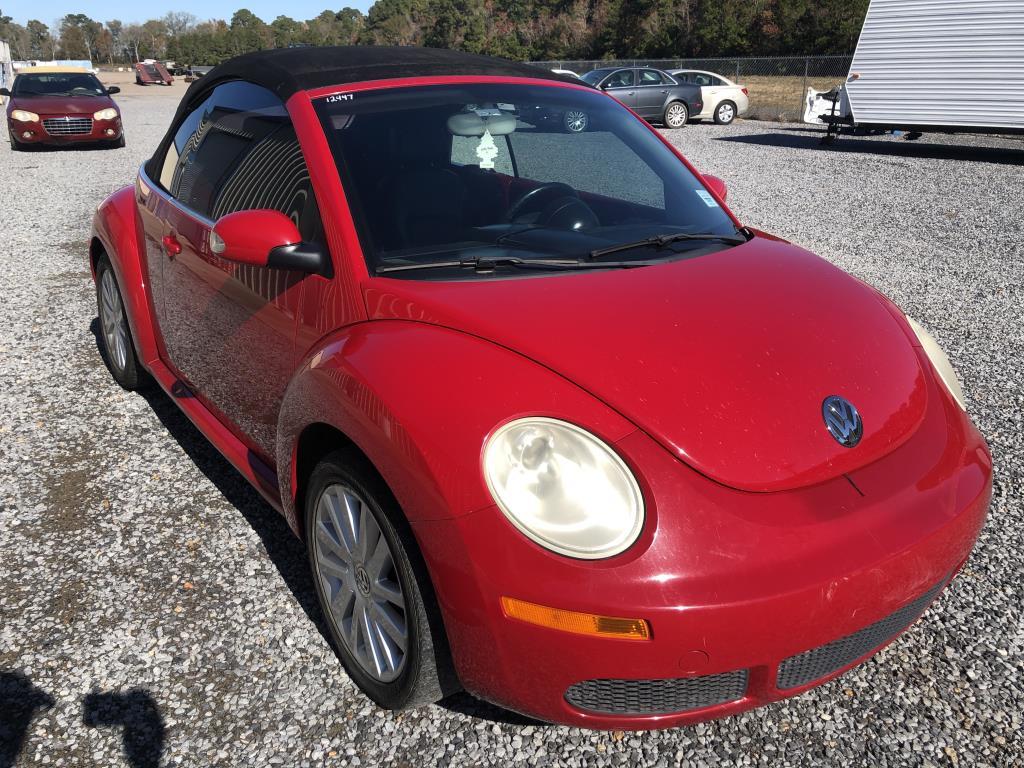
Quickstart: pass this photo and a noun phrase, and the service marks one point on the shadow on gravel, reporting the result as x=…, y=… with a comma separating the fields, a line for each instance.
x=285, y=550
x=136, y=712
x=469, y=705
x=810, y=138
x=19, y=703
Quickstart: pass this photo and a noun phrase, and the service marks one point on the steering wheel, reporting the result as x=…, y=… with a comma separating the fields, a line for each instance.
x=536, y=197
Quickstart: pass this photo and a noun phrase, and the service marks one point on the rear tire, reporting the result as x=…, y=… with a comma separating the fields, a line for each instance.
x=725, y=113
x=115, y=335
x=676, y=115
x=373, y=588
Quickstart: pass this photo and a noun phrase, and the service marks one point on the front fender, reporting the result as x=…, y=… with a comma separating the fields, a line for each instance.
x=419, y=401
x=117, y=228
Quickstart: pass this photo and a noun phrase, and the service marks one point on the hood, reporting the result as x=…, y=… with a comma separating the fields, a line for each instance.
x=725, y=359
x=62, y=105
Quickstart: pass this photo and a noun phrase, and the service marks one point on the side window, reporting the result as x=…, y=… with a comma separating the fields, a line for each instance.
x=465, y=152
x=238, y=151
x=712, y=80
x=701, y=79
x=650, y=77
x=621, y=79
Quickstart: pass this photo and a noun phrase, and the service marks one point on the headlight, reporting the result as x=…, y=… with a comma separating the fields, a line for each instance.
x=105, y=114
x=563, y=488
x=939, y=361
x=24, y=116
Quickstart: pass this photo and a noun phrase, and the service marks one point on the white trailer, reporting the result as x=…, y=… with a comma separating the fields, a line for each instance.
x=931, y=65
x=6, y=67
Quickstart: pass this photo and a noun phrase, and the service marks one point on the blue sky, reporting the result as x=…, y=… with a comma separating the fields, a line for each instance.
x=49, y=11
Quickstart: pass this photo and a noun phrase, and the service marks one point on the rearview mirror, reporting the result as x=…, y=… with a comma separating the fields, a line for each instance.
x=113, y=89
x=266, y=238
x=716, y=185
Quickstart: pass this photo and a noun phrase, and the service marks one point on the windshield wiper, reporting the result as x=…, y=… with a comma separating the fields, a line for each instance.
x=489, y=264
x=660, y=241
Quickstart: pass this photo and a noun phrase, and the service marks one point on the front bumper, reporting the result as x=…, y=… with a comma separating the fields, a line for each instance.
x=751, y=597
x=98, y=131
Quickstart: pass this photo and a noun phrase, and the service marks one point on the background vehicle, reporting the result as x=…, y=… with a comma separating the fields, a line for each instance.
x=542, y=518
x=152, y=73
x=724, y=100
x=193, y=73
x=651, y=93
x=911, y=57
x=61, y=105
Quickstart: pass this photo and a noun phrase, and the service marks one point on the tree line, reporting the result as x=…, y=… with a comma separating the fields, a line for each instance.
x=516, y=29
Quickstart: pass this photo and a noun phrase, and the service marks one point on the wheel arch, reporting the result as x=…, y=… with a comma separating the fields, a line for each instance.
x=116, y=234
x=317, y=441
x=366, y=389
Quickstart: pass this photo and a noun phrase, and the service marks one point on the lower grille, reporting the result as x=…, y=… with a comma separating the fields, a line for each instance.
x=825, y=659
x=67, y=126
x=657, y=697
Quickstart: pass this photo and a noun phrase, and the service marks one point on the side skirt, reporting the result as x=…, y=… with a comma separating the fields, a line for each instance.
x=261, y=476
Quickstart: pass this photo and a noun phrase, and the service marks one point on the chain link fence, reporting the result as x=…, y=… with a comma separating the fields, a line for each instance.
x=776, y=85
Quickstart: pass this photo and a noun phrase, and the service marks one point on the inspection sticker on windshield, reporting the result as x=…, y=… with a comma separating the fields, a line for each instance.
x=709, y=201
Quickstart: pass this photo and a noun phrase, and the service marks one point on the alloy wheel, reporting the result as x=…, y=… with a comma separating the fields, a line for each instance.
x=113, y=321
x=675, y=116
x=576, y=121
x=360, y=582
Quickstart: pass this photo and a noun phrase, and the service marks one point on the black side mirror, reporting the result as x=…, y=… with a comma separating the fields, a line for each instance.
x=5, y=92
x=112, y=90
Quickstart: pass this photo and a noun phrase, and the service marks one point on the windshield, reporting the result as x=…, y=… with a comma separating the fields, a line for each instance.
x=510, y=173
x=58, y=84
x=594, y=76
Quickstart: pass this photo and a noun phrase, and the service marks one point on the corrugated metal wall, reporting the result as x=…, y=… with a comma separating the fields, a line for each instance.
x=940, y=62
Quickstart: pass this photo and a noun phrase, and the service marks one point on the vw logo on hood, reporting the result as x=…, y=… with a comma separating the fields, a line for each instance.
x=842, y=420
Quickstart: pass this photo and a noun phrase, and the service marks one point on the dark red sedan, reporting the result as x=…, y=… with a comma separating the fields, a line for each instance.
x=61, y=105
x=556, y=427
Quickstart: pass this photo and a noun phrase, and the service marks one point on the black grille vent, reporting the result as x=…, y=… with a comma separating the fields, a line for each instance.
x=824, y=660
x=657, y=697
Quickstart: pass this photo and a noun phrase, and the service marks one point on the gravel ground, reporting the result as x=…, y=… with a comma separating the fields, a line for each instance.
x=154, y=611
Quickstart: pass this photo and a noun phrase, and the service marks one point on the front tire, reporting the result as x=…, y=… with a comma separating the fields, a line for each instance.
x=725, y=113
x=373, y=588
x=676, y=115
x=115, y=335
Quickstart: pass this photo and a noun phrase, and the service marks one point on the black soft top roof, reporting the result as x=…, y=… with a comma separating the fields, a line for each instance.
x=288, y=70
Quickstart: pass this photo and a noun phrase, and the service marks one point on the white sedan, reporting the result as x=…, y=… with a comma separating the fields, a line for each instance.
x=724, y=100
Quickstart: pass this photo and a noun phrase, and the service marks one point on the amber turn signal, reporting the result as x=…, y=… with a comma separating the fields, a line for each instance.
x=573, y=621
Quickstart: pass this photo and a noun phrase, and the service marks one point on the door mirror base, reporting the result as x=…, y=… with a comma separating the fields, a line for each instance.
x=301, y=257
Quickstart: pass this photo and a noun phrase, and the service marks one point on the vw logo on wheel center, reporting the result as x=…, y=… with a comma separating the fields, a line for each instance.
x=842, y=420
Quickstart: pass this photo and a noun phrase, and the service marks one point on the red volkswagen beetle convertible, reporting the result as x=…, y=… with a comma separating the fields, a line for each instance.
x=556, y=427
